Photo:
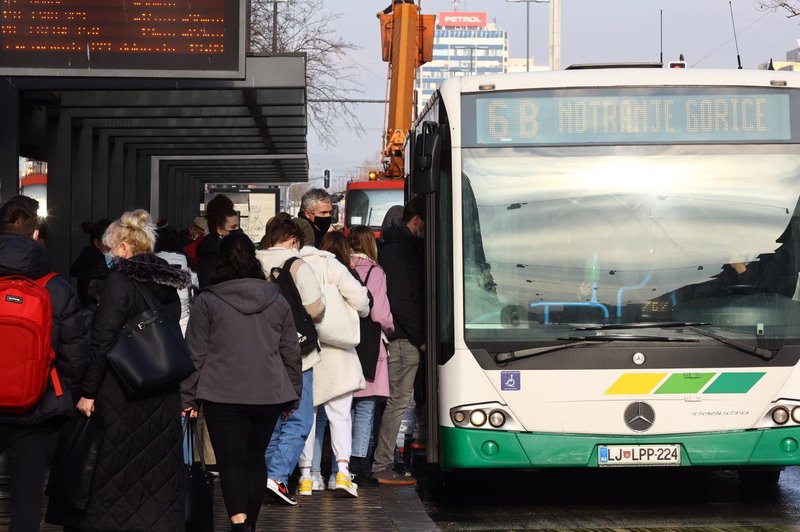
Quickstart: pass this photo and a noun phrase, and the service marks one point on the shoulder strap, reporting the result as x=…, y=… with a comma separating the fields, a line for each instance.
x=42, y=281
x=369, y=272
x=145, y=293
x=288, y=263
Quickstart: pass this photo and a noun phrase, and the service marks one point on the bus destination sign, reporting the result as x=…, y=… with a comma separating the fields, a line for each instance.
x=516, y=119
x=197, y=38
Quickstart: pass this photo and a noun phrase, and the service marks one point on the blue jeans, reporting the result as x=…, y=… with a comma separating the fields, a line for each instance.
x=319, y=438
x=363, y=417
x=290, y=435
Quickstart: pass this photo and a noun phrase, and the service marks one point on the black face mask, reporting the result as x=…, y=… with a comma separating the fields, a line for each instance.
x=323, y=224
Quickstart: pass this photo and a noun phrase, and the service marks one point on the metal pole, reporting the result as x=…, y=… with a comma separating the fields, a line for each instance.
x=555, y=34
x=274, y=27
x=528, y=36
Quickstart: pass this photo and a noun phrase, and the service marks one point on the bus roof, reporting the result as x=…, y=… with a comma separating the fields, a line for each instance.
x=616, y=77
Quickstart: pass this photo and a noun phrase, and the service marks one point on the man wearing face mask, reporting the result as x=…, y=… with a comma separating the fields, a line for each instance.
x=401, y=257
x=316, y=207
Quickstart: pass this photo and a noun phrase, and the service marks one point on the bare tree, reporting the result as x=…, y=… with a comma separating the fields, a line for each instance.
x=304, y=26
x=792, y=7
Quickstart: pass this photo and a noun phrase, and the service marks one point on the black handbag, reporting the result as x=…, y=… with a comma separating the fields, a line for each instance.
x=198, y=483
x=150, y=356
x=73, y=463
x=369, y=347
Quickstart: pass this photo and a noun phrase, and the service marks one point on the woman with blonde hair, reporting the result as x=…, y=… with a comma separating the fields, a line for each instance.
x=138, y=478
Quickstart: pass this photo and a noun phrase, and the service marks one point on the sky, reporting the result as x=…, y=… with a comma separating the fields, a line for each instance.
x=592, y=31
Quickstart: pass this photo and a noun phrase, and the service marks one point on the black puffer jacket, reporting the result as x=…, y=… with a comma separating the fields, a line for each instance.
x=138, y=481
x=207, y=258
x=20, y=255
x=401, y=260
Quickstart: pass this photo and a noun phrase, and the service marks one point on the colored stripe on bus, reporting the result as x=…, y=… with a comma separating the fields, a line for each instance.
x=739, y=382
x=635, y=383
x=685, y=383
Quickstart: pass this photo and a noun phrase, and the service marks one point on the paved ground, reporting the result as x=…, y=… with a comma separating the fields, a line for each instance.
x=376, y=509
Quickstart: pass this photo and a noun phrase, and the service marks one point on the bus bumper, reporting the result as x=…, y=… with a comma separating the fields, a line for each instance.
x=474, y=448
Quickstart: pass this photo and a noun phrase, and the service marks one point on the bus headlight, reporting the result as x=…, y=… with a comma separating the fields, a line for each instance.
x=780, y=415
x=478, y=418
x=460, y=416
x=497, y=419
x=796, y=414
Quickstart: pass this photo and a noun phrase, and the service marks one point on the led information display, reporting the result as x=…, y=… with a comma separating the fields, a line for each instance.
x=197, y=38
x=524, y=119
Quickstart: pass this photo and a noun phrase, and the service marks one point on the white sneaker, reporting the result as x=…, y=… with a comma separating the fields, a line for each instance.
x=332, y=482
x=317, y=482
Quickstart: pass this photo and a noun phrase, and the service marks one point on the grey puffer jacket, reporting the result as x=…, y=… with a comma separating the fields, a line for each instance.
x=244, y=346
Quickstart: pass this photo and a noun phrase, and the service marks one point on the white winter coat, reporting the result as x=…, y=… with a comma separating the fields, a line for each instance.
x=339, y=371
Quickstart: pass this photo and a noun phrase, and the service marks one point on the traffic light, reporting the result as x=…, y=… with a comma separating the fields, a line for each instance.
x=326, y=180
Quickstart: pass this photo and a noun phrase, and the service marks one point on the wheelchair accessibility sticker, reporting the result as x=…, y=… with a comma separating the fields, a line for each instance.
x=509, y=380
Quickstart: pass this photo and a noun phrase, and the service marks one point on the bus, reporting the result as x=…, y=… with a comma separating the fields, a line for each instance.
x=612, y=270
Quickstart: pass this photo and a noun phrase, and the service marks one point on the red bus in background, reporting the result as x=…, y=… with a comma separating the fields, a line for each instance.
x=366, y=202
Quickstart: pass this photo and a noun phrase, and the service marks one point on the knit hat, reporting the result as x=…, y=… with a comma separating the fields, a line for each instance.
x=201, y=222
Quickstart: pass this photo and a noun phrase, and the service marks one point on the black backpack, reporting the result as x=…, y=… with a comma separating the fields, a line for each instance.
x=369, y=347
x=306, y=332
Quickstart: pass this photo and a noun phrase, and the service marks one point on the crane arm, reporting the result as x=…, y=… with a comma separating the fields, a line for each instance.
x=407, y=44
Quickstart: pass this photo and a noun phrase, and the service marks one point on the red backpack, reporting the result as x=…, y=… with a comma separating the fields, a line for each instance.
x=26, y=354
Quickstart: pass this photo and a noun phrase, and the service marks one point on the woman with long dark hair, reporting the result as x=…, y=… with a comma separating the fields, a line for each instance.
x=244, y=346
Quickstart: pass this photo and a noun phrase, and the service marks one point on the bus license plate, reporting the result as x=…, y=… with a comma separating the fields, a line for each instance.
x=638, y=455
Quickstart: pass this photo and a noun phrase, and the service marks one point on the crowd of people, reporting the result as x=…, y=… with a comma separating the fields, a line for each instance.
x=274, y=334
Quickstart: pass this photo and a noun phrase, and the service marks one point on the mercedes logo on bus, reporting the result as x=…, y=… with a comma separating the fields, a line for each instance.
x=639, y=416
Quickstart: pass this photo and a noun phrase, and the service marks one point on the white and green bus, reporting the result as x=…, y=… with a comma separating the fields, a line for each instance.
x=613, y=260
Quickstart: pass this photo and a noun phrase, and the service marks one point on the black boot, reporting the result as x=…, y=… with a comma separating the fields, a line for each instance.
x=239, y=527
x=360, y=468
x=251, y=526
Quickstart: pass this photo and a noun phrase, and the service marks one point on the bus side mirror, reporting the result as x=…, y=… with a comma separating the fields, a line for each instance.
x=427, y=159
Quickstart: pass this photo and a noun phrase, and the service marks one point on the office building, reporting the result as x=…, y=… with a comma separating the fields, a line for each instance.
x=465, y=43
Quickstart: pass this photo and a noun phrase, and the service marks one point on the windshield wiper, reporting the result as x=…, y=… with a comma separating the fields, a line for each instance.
x=636, y=325
x=532, y=352
x=502, y=358
x=691, y=326
x=764, y=354
x=629, y=337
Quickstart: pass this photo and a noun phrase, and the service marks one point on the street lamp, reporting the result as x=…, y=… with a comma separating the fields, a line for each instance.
x=555, y=31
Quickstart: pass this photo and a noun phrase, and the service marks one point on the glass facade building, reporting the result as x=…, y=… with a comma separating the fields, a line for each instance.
x=462, y=48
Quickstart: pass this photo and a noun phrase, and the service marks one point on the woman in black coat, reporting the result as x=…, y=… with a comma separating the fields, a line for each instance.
x=137, y=483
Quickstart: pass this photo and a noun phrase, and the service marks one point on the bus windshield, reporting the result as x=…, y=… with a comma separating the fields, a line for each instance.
x=556, y=236
x=369, y=206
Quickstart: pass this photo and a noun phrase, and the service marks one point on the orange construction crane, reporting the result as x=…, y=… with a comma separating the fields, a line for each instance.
x=406, y=44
